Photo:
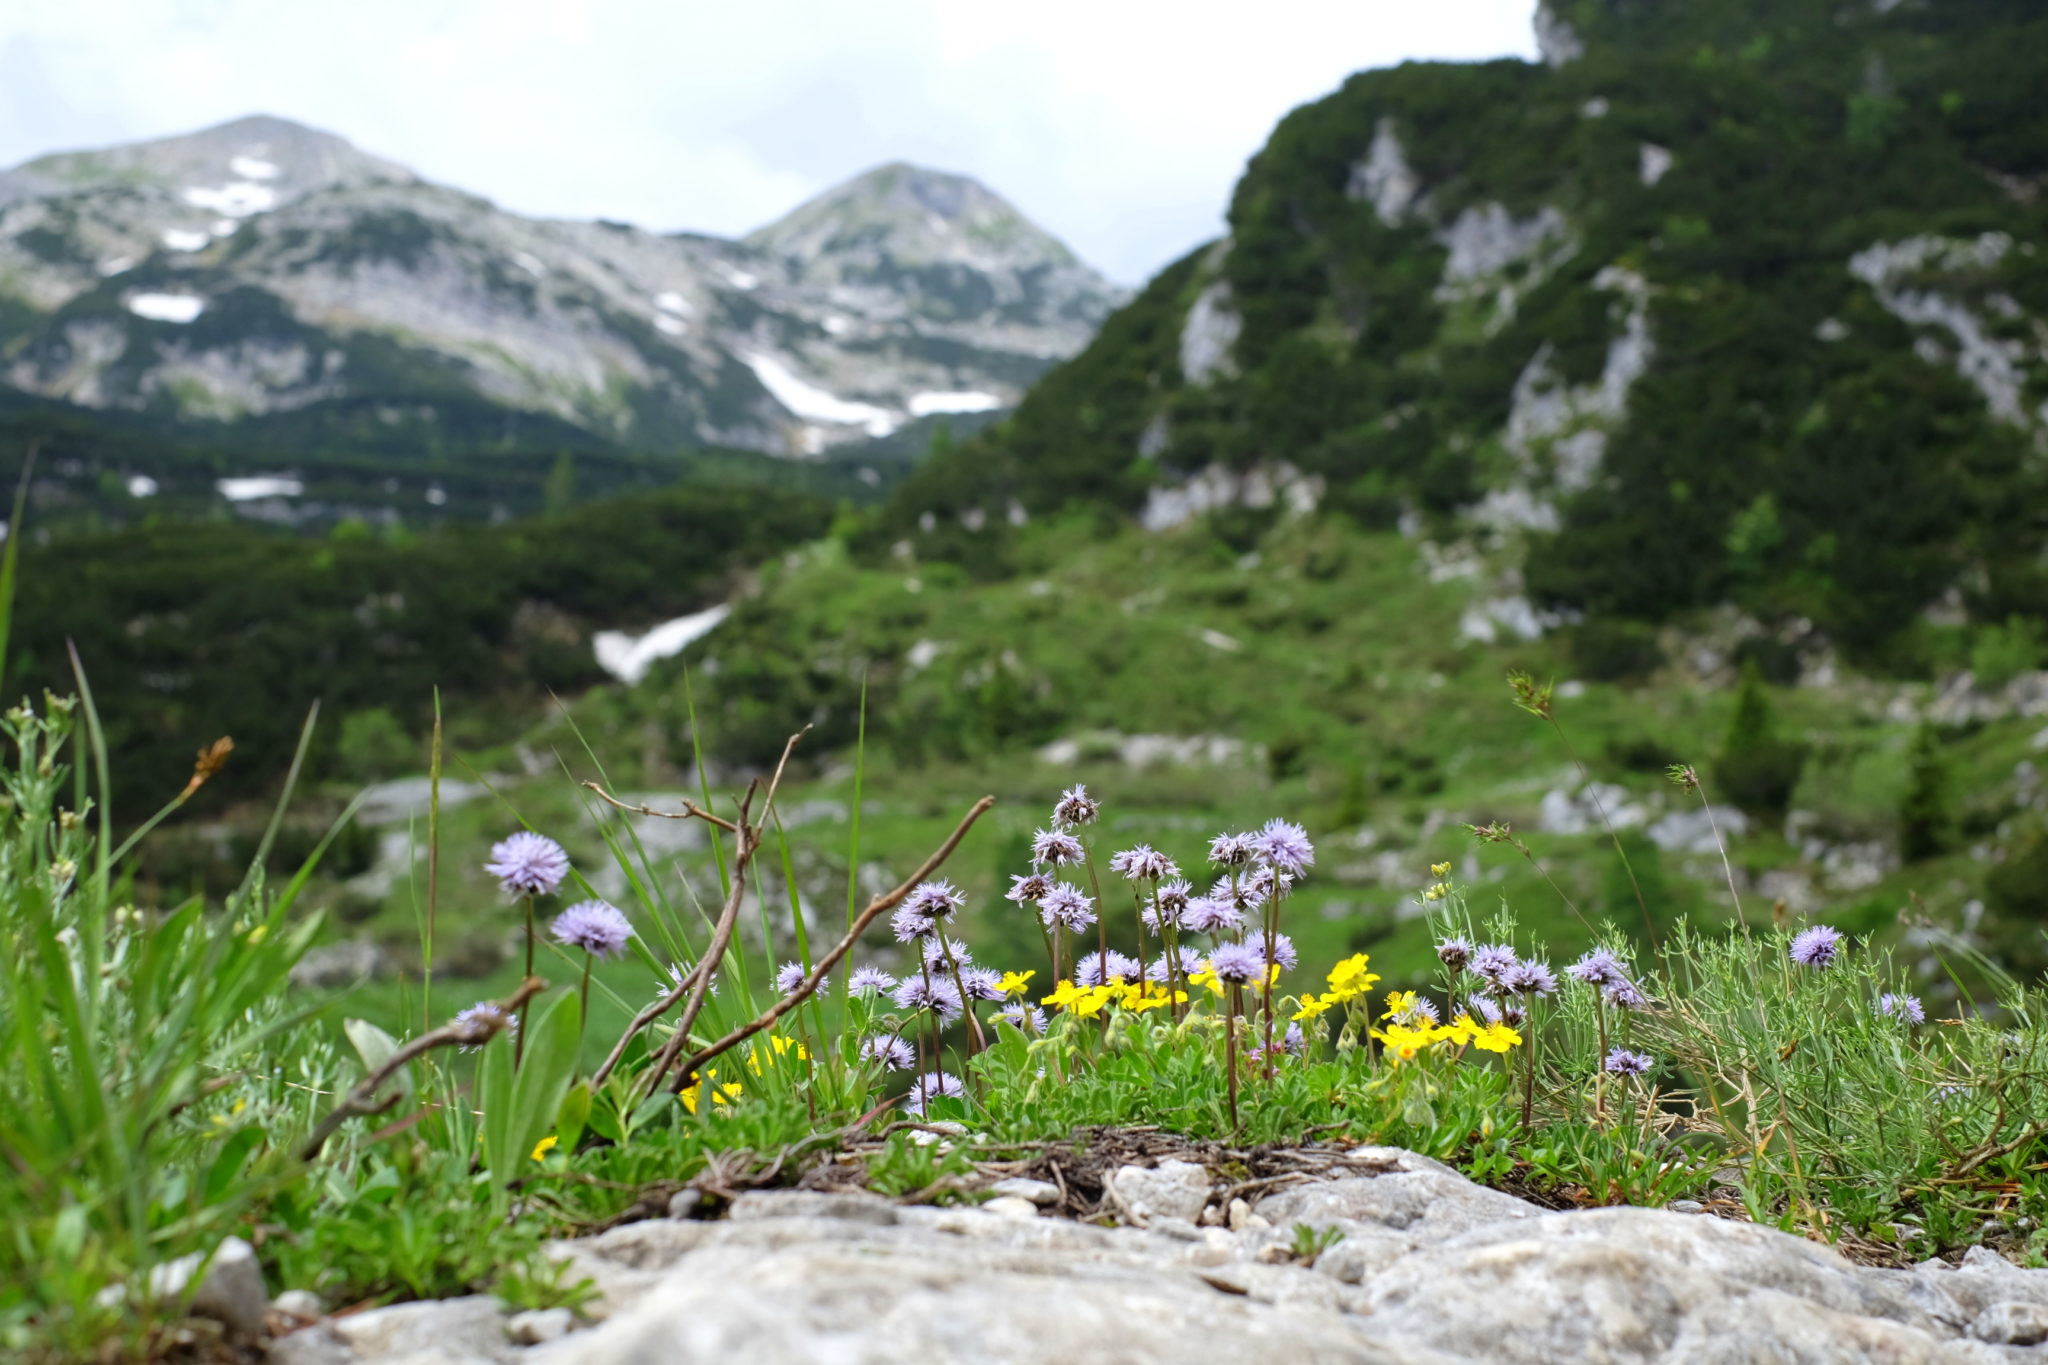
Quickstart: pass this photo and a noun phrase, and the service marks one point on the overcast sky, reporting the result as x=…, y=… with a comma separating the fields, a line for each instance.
x=1120, y=126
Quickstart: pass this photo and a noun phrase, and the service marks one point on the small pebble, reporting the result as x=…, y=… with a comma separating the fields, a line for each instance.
x=1239, y=1216
x=1686, y=1206
x=1041, y=1192
x=1010, y=1206
x=539, y=1325
x=302, y=1304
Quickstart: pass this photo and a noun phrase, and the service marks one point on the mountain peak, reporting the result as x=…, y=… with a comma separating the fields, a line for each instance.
x=916, y=216
x=258, y=158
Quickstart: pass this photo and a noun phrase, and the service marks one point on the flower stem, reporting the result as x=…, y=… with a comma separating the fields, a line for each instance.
x=519, y=1037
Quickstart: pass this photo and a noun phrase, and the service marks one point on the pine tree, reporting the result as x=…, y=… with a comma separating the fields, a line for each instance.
x=1926, y=822
x=1756, y=769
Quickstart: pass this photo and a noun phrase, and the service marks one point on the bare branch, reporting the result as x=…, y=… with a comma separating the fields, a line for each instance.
x=470, y=1032
x=690, y=811
x=877, y=907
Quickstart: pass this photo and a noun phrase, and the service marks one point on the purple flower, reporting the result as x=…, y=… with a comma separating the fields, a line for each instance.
x=788, y=977
x=1625, y=995
x=934, y=900
x=1055, y=848
x=1207, y=915
x=1420, y=1011
x=892, y=1052
x=1454, y=953
x=528, y=864
x=1625, y=1063
x=1284, y=845
x=1485, y=1009
x=1172, y=898
x=1529, y=978
x=594, y=926
x=1282, y=950
x=908, y=923
x=1076, y=807
x=1598, y=968
x=1143, y=864
x=940, y=950
x=1243, y=894
x=1238, y=964
x=1490, y=962
x=1906, y=1007
x=1230, y=850
x=1032, y=888
x=481, y=1021
x=933, y=1085
x=1159, y=969
x=982, y=983
x=1022, y=1017
x=870, y=981
x=1067, y=908
x=678, y=973
x=1260, y=883
x=939, y=996
x=1514, y=1016
x=1099, y=969
x=1293, y=1044
x=1816, y=947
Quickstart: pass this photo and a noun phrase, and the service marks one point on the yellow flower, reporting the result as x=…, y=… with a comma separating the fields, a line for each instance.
x=782, y=1045
x=1015, y=983
x=1205, y=977
x=1311, y=1007
x=1352, y=977
x=1402, y=1042
x=724, y=1094
x=1093, y=1000
x=1065, y=996
x=1439, y=870
x=544, y=1146
x=1461, y=1030
x=1495, y=1038
x=1436, y=893
x=1398, y=1003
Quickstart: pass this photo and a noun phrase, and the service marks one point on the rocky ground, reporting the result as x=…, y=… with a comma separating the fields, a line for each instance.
x=1210, y=1264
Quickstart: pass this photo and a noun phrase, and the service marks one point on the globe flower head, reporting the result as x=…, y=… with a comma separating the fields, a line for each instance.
x=1598, y=968
x=1263, y=879
x=1284, y=845
x=1816, y=947
x=1065, y=907
x=1529, y=978
x=1514, y=1016
x=1032, y=888
x=1076, y=807
x=1243, y=894
x=1416, y=1011
x=1159, y=969
x=1485, y=1009
x=1237, y=964
x=528, y=864
x=1906, y=1007
x=938, y=996
x=1143, y=864
x=1282, y=950
x=933, y=1085
x=1055, y=848
x=481, y=1022
x=1208, y=915
x=1230, y=850
x=1172, y=897
x=935, y=900
x=678, y=973
x=940, y=951
x=1625, y=995
x=909, y=924
x=870, y=981
x=1099, y=969
x=594, y=926
x=1295, y=1043
x=1022, y=1016
x=982, y=983
x=1625, y=1063
x=1491, y=961
x=1454, y=953
x=892, y=1052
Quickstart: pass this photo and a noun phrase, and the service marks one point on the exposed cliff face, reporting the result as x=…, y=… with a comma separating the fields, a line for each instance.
x=262, y=267
x=1721, y=300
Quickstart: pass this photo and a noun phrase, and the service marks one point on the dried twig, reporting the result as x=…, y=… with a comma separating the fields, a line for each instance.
x=473, y=1031
x=875, y=909
x=690, y=811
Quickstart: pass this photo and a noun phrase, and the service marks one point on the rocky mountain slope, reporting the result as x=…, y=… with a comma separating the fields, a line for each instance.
x=1722, y=302
x=262, y=268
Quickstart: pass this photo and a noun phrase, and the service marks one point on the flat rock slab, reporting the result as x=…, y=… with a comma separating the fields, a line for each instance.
x=1439, y=1270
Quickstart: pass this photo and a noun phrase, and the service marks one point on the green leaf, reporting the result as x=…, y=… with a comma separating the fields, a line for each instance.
x=573, y=1116
x=542, y=1081
x=376, y=1047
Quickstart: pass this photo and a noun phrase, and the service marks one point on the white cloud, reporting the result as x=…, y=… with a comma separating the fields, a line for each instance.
x=1120, y=126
